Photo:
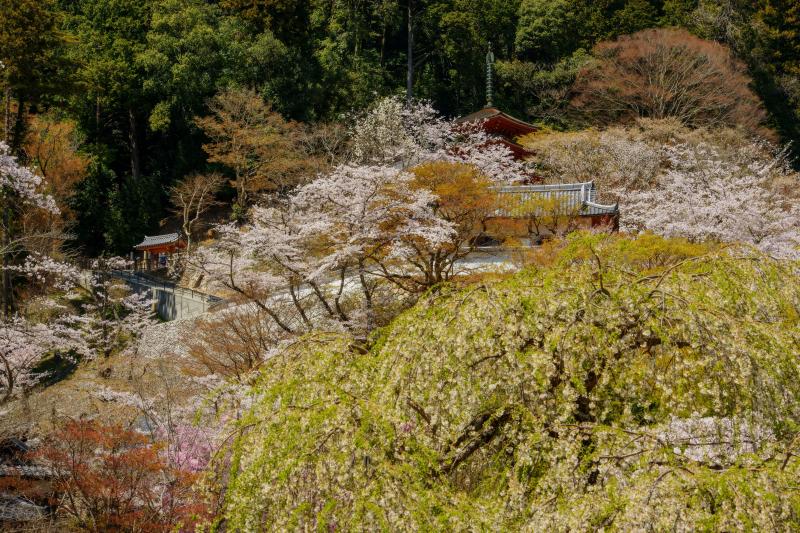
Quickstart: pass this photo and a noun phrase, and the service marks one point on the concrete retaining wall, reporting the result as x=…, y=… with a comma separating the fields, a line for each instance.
x=176, y=304
x=169, y=301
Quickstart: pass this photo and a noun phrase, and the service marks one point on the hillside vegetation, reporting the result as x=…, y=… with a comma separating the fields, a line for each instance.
x=619, y=383
x=406, y=335
x=112, y=98
x=703, y=183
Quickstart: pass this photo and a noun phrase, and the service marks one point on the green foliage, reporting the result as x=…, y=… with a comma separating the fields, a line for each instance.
x=143, y=70
x=763, y=34
x=31, y=46
x=131, y=213
x=113, y=215
x=348, y=62
x=541, y=90
x=632, y=384
x=549, y=30
x=181, y=60
x=771, y=47
x=109, y=34
x=546, y=30
x=678, y=12
x=636, y=15
x=90, y=201
x=33, y=66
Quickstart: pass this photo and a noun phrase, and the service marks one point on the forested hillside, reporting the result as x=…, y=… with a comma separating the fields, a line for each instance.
x=399, y=265
x=122, y=83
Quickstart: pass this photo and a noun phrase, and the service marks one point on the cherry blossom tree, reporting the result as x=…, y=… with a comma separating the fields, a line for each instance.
x=113, y=319
x=615, y=158
x=187, y=444
x=115, y=316
x=638, y=383
x=20, y=187
x=317, y=251
x=465, y=200
x=705, y=196
x=22, y=346
x=406, y=135
x=24, y=342
x=718, y=184
x=22, y=183
x=366, y=235
x=349, y=248
x=113, y=478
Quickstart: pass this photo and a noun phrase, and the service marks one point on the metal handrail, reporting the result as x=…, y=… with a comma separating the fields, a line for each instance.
x=164, y=286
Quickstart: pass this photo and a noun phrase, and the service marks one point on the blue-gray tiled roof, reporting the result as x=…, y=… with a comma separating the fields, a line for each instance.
x=18, y=509
x=28, y=471
x=524, y=200
x=156, y=240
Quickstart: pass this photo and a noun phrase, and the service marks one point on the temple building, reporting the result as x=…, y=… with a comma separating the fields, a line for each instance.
x=533, y=211
x=156, y=251
x=537, y=212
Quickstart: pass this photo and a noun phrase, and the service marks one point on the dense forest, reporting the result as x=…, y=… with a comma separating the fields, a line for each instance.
x=120, y=85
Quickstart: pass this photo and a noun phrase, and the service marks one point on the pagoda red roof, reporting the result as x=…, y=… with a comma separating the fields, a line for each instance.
x=498, y=123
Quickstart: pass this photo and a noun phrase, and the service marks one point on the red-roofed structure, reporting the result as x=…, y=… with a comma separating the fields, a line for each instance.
x=499, y=123
x=505, y=128
x=155, y=251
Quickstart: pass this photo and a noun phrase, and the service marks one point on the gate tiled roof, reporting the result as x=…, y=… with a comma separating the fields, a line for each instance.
x=158, y=240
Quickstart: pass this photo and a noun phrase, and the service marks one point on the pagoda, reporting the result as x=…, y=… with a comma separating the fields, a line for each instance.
x=503, y=128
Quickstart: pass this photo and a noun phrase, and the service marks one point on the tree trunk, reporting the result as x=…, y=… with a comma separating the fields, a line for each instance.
x=7, y=116
x=18, y=133
x=15, y=144
x=97, y=117
x=383, y=46
x=187, y=230
x=134, y=146
x=362, y=276
x=9, y=379
x=7, y=292
x=410, y=54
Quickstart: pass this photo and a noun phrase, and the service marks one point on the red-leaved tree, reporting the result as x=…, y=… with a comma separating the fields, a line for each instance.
x=661, y=73
x=108, y=478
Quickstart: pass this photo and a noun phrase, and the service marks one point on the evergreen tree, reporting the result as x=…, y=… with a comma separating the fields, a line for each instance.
x=31, y=62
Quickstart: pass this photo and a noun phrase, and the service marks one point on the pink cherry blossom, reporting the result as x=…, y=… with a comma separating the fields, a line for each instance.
x=21, y=181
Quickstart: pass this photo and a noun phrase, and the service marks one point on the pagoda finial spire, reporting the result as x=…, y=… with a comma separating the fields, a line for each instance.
x=489, y=66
